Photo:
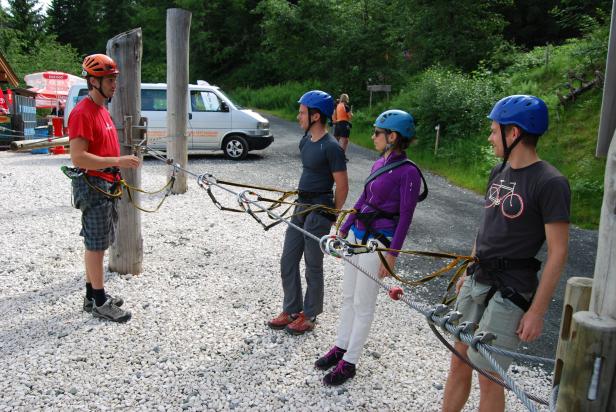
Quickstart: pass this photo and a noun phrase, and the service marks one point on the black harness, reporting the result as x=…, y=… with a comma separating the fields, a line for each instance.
x=497, y=266
x=367, y=218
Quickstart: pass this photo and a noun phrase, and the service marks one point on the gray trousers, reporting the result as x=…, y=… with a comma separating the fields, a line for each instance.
x=296, y=245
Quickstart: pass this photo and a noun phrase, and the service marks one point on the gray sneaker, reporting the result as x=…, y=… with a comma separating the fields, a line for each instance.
x=110, y=312
x=89, y=303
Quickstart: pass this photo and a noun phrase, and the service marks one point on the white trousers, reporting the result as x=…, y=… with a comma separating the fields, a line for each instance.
x=359, y=294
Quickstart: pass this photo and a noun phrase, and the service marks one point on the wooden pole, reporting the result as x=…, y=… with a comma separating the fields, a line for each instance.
x=438, y=132
x=604, y=287
x=178, y=33
x=577, y=298
x=590, y=364
x=589, y=372
x=126, y=255
x=608, y=103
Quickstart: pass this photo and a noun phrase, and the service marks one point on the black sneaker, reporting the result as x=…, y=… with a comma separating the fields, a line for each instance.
x=330, y=359
x=109, y=311
x=341, y=373
x=89, y=303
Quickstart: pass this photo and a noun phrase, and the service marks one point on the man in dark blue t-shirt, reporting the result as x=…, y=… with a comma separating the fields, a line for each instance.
x=527, y=203
x=323, y=165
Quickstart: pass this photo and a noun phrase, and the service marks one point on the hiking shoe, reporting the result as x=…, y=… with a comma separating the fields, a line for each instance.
x=330, y=359
x=282, y=320
x=341, y=373
x=88, y=303
x=300, y=325
x=110, y=312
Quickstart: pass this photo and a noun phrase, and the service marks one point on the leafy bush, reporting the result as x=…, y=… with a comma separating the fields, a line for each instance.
x=457, y=102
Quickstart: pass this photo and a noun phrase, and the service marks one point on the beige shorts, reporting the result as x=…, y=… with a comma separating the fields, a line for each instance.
x=501, y=317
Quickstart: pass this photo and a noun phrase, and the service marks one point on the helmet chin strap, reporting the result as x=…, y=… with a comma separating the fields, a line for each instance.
x=507, y=149
x=100, y=89
x=310, y=123
x=388, y=146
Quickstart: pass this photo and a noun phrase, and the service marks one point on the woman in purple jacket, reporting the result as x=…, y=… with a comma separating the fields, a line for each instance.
x=384, y=212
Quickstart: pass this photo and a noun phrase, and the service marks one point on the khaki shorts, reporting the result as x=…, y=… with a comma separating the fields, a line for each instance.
x=501, y=317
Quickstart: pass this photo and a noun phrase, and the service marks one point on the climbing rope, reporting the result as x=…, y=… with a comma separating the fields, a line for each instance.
x=118, y=187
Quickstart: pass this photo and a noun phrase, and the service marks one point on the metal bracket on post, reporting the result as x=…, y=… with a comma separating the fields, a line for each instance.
x=142, y=134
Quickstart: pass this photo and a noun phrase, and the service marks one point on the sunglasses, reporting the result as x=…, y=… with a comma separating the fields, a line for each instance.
x=378, y=132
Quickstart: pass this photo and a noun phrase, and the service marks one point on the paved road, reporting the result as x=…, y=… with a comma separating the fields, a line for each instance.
x=446, y=221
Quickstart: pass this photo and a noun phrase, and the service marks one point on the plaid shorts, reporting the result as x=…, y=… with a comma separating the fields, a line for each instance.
x=99, y=213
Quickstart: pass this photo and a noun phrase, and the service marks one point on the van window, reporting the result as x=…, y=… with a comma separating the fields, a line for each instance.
x=154, y=100
x=82, y=93
x=204, y=101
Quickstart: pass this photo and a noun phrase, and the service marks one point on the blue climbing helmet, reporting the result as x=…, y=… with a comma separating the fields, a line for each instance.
x=530, y=113
x=398, y=121
x=317, y=99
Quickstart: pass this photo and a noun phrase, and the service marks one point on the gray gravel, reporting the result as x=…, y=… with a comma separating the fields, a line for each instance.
x=198, y=339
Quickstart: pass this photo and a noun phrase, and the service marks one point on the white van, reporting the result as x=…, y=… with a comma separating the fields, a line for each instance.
x=214, y=121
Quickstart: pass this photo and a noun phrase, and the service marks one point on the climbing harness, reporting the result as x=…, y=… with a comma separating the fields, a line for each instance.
x=368, y=218
x=207, y=181
x=493, y=268
x=119, y=185
x=391, y=166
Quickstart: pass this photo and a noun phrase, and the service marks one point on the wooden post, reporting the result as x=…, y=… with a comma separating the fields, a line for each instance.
x=438, y=130
x=588, y=375
x=589, y=372
x=126, y=255
x=577, y=298
x=608, y=103
x=178, y=34
x=604, y=287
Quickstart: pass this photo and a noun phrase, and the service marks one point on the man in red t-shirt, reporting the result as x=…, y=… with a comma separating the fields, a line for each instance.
x=95, y=149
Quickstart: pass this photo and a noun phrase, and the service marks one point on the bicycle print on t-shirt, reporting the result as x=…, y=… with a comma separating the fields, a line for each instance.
x=503, y=196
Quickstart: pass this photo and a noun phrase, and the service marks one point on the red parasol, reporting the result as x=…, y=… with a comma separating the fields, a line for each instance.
x=4, y=108
x=51, y=87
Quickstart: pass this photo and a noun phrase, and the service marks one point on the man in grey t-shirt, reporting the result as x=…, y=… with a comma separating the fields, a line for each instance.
x=527, y=203
x=323, y=165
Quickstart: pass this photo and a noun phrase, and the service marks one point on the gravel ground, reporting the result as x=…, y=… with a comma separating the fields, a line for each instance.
x=197, y=339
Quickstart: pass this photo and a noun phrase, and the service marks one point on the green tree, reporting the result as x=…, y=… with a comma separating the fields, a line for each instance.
x=74, y=23
x=457, y=34
x=27, y=22
x=151, y=16
x=225, y=37
x=46, y=54
x=114, y=17
x=576, y=17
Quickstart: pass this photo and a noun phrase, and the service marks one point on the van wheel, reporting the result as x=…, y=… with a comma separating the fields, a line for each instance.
x=235, y=148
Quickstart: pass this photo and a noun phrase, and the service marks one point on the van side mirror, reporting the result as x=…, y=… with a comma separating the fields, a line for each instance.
x=224, y=107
